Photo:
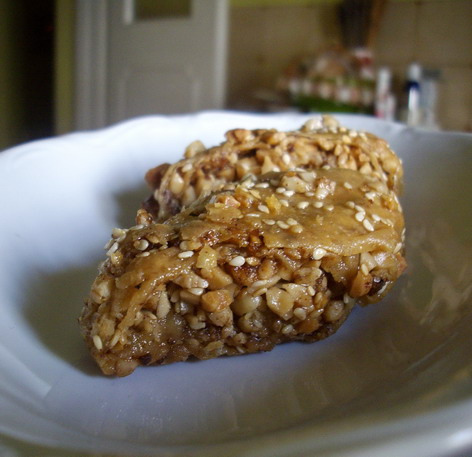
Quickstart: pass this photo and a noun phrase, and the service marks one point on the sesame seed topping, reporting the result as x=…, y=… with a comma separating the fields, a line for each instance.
x=289, y=193
x=141, y=245
x=360, y=216
x=398, y=247
x=113, y=249
x=282, y=225
x=263, y=208
x=302, y=205
x=286, y=159
x=185, y=254
x=364, y=269
x=318, y=204
x=97, y=341
x=284, y=203
x=319, y=253
x=291, y=221
x=370, y=195
x=269, y=221
x=367, y=225
x=310, y=194
x=350, y=204
x=352, y=133
x=296, y=229
x=359, y=208
x=118, y=233
x=347, y=185
x=262, y=185
x=376, y=217
x=187, y=167
x=311, y=291
x=137, y=227
x=237, y=261
x=143, y=254
x=280, y=190
x=253, y=215
x=329, y=208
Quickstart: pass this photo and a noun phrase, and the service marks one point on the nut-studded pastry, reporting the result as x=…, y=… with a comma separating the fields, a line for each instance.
x=318, y=143
x=275, y=258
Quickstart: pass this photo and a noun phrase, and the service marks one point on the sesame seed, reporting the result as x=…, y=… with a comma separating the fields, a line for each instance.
x=318, y=204
x=286, y=159
x=350, y=204
x=113, y=249
x=187, y=167
x=291, y=221
x=352, y=133
x=263, y=208
x=296, y=229
x=346, y=298
x=302, y=205
x=370, y=195
x=319, y=253
x=118, y=233
x=97, y=341
x=347, y=185
x=269, y=221
x=329, y=208
x=311, y=291
x=376, y=217
x=359, y=208
x=287, y=329
x=262, y=185
x=360, y=216
x=141, y=245
x=310, y=194
x=364, y=269
x=367, y=225
x=289, y=193
x=237, y=261
x=280, y=190
x=282, y=225
x=185, y=254
x=276, y=169
x=346, y=139
x=398, y=247
x=284, y=203
x=253, y=215
x=144, y=254
x=137, y=227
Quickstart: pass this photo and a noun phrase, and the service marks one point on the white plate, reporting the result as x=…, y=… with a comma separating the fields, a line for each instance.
x=394, y=381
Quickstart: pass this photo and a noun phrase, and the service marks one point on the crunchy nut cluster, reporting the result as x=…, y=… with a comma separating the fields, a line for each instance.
x=267, y=259
x=319, y=143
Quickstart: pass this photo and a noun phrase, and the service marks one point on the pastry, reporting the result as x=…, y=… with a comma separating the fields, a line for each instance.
x=274, y=257
x=319, y=143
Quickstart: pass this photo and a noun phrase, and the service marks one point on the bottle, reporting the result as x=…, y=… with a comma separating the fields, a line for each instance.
x=384, y=99
x=412, y=107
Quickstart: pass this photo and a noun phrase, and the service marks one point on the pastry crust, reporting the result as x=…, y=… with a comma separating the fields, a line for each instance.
x=319, y=143
x=273, y=258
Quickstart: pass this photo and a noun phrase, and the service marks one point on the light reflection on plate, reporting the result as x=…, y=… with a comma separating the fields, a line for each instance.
x=395, y=380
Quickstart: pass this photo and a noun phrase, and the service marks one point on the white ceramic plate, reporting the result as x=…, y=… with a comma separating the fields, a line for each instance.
x=394, y=381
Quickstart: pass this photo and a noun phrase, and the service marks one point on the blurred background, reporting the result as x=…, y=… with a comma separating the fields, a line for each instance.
x=70, y=65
